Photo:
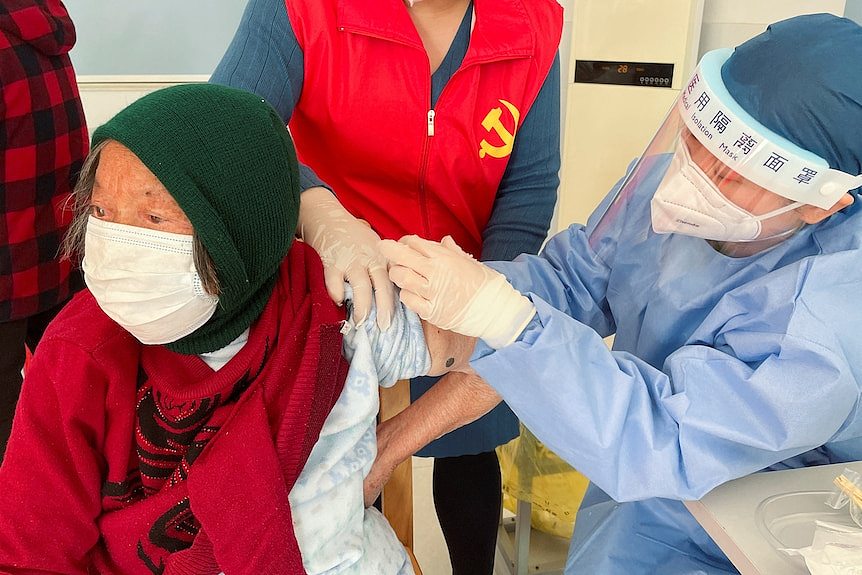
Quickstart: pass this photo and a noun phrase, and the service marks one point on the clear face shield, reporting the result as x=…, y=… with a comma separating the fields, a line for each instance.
x=702, y=196
x=715, y=173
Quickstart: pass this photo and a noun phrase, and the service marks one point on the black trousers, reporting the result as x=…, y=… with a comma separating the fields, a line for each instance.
x=468, y=498
x=14, y=335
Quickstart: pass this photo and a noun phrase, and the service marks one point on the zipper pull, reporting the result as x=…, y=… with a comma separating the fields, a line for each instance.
x=431, y=115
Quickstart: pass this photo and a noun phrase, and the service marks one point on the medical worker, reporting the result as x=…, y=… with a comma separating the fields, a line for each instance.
x=727, y=265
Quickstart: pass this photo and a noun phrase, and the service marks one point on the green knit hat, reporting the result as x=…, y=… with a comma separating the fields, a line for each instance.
x=227, y=159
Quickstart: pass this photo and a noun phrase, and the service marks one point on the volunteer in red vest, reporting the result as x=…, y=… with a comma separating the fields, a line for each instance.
x=434, y=118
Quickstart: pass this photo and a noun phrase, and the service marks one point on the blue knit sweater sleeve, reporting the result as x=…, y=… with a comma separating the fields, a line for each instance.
x=525, y=200
x=264, y=57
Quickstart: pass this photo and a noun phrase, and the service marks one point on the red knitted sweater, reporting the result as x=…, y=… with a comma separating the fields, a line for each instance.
x=130, y=459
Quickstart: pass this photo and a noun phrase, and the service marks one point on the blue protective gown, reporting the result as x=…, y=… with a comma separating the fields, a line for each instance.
x=720, y=367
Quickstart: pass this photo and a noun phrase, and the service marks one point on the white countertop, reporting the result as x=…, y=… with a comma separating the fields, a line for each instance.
x=733, y=515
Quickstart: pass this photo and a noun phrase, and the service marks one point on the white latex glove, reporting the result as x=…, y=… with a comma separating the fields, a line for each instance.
x=348, y=248
x=448, y=288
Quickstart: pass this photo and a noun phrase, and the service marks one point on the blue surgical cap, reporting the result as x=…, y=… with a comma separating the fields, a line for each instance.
x=802, y=78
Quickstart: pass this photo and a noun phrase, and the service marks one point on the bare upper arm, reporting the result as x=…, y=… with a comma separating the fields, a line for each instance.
x=449, y=351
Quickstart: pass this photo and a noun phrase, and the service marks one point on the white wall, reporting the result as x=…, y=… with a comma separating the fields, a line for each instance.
x=727, y=23
x=131, y=37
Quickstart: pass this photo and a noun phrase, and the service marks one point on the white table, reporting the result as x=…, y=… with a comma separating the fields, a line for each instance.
x=728, y=514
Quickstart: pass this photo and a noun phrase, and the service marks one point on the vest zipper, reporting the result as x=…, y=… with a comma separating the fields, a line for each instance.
x=423, y=169
x=430, y=123
x=429, y=126
x=429, y=133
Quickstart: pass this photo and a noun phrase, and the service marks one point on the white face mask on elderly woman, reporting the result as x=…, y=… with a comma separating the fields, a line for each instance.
x=146, y=281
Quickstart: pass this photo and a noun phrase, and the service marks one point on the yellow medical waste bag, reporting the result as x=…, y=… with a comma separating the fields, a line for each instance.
x=532, y=472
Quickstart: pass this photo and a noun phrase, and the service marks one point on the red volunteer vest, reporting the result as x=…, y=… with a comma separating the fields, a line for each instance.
x=364, y=121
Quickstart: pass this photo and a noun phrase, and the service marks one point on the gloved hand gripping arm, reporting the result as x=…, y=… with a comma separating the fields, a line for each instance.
x=348, y=248
x=448, y=288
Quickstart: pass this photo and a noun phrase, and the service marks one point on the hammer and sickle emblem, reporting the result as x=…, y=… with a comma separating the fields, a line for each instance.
x=492, y=122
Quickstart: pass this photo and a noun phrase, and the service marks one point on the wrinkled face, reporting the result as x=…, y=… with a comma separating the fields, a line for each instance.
x=126, y=192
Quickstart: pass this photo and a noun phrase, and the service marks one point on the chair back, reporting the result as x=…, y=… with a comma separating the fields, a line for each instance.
x=397, y=495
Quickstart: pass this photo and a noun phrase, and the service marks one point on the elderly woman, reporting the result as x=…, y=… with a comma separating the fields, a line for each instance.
x=191, y=412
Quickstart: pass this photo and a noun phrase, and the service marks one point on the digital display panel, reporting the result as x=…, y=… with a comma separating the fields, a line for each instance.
x=624, y=73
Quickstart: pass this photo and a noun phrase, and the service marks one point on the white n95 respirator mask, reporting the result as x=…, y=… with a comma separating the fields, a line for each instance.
x=146, y=281
x=688, y=202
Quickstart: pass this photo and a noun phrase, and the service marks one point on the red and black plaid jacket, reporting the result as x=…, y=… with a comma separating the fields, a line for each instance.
x=43, y=141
